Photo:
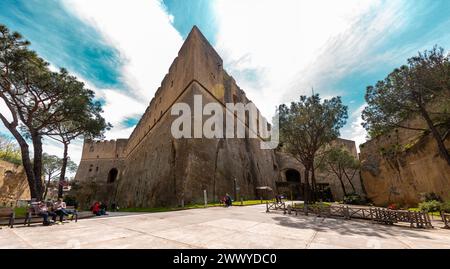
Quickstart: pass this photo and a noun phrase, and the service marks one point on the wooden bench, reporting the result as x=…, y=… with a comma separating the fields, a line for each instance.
x=33, y=214
x=74, y=212
x=8, y=214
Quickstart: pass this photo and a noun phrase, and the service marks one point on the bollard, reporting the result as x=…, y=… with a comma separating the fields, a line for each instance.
x=205, y=197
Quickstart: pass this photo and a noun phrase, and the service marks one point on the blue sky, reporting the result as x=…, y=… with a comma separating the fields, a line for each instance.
x=276, y=50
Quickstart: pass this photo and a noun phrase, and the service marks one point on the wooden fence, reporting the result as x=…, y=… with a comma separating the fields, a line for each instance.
x=375, y=214
x=446, y=219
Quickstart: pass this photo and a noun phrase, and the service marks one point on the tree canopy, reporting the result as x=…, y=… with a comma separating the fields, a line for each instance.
x=41, y=103
x=421, y=88
x=52, y=166
x=307, y=126
x=9, y=151
x=339, y=162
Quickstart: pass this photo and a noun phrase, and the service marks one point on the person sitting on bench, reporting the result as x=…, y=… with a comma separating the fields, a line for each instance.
x=103, y=208
x=45, y=213
x=96, y=209
x=60, y=209
x=228, y=200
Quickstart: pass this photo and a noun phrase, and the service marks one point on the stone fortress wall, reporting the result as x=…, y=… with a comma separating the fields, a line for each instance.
x=404, y=177
x=100, y=157
x=13, y=184
x=155, y=169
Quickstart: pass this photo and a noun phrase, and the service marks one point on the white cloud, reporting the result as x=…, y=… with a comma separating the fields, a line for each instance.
x=294, y=46
x=355, y=131
x=141, y=31
x=276, y=50
x=4, y=110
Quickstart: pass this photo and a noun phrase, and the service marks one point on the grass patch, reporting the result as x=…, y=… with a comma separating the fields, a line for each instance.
x=416, y=209
x=251, y=202
x=190, y=206
x=20, y=212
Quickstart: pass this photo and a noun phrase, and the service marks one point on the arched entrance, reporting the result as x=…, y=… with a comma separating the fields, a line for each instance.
x=292, y=175
x=112, y=175
x=293, y=178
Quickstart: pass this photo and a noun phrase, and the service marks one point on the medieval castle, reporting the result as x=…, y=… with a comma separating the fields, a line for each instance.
x=151, y=168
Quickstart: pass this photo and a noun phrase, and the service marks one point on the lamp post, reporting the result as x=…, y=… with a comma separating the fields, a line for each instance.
x=235, y=189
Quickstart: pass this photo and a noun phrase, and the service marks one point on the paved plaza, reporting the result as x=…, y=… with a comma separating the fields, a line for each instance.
x=232, y=228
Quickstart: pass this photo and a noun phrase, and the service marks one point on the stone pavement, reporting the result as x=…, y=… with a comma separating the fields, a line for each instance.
x=236, y=227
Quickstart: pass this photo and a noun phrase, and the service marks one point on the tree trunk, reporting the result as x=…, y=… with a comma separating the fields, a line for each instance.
x=46, y=187
x=306, y=186
x=442, y=149
x=25, y=152
x=339, y=174
x=350, y=180
x=37, y=163
x=313, y=184
x=28, y=167
x=62, y=175
x=343, y=186
x=351, y=184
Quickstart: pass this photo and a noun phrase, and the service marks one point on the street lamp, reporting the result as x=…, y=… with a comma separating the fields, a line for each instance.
x=235, y=189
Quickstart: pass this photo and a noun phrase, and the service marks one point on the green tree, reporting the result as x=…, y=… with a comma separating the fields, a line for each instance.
x=420, y=88
x=338, y=161
x=308, y=126
x=9, y=151
x=88, y=123
x=52, y=166
x=37, y=99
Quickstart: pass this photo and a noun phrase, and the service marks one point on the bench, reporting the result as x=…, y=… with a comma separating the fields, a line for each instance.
x=8, y=214
x=33, y=214
x=74, y=212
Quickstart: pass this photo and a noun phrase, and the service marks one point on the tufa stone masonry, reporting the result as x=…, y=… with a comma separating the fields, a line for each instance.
x=151, y=168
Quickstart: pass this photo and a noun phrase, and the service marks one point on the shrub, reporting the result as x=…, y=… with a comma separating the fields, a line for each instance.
x=430, y=206
x=320, y=204
x=446, y=207
x=431, y=196
x=354, y=199
x=70, y=200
